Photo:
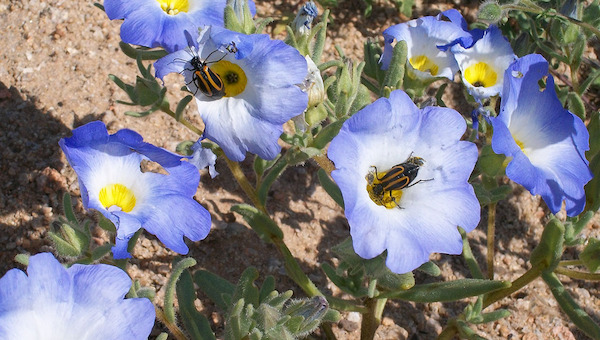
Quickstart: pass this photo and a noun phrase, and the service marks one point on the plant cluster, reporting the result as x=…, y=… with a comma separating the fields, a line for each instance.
x=412, y=179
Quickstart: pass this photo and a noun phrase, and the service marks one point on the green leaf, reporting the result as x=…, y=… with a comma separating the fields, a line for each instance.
x=342, y=282
x=181, y=106
x=264, y=226
x=105, y=223
x=575, y=313
x=405, y=6
x=267, y=287
x=321, y=36
x=394, y=75
x=217, y=288
x=179, y=267
x=260, y=165
x=22, y=259
x=101, y=251
x=574, y=226
x=232, y=22
x=576, y=105
x=548, y=252
x=589, y=80
x=141, y=52
x=277, y=169
x=326, y=135
x=591, y=255
x=362, y=99
x=68, y=209
x=196, y=324
x=330, y=187
x=447, y=291
x=315, y=115
x=246, y=289
x=490, y=163
x=430, y=269
x=63, y=247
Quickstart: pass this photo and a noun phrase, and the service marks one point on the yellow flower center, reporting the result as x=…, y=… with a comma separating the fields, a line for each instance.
x=481, y=74
x=173, y=7
x=424, y=64
x=389, y=199
x=234, y=78
x=117, y=195
x=520, y=144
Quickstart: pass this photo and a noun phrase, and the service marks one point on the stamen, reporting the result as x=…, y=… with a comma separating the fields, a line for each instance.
x=174, y=7
x=117, y=195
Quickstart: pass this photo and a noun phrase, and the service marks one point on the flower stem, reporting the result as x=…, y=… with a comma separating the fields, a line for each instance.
x=183, y=121
x=173, y=328
x=532, y=8
x=491, y=230
x=372, y=319
x=565, y=263
x=294, y=271
x=575, y=274
x=519, y=283
x=242, y=180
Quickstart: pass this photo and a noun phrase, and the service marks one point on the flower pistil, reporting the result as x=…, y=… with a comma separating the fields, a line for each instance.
x=233, y=76
x=481, y=74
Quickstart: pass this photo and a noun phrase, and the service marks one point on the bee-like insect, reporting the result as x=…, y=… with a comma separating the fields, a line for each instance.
x=205, y=79
x=398, y=177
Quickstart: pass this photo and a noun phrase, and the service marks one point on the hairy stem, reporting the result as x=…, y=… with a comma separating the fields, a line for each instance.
x=519, y=283
x=372, y=319
x=173, y=328
x=491, y=230
x=242, y=180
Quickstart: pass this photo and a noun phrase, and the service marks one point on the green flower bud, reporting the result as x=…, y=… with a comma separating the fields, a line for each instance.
x=490, y=11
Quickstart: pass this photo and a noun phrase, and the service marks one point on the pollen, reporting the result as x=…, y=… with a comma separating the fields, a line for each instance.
x=174, y=7
x=481, y=74
x=234, y=78
x=117, y=195
x=424, y=64
x=389, y=199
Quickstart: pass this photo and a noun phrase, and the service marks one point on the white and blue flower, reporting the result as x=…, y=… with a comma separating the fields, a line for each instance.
x=418, y=217
x=260, y=78
x=84, y=302
x=482, y=65
x=111, y=182
x=154, y=23
x=544, y=142
x=427, y=39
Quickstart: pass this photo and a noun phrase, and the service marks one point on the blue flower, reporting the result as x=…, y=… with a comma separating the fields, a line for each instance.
x=111, y=182
x=425, y=38
x=304, y=18
x=482, y=65
x=84, y=302
x=259, y=77
x=403, y=175
x=544, y=142
x=154, y=23
x=202, y=157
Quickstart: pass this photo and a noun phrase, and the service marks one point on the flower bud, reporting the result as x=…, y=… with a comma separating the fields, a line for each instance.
x=490, y=11
x=306, y=14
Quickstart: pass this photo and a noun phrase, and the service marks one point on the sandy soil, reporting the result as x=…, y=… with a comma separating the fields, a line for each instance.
x=54, y=64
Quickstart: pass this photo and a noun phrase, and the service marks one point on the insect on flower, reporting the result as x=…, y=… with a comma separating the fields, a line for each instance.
x=205, y=79
x=392, y=181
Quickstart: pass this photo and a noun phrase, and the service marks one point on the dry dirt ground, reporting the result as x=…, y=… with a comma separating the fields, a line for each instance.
x=55, y=60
